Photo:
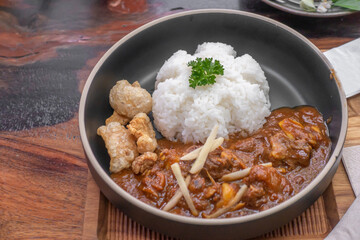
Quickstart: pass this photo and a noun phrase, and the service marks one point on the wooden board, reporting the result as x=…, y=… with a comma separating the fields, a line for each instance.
x=104, y=221
x=312, y=224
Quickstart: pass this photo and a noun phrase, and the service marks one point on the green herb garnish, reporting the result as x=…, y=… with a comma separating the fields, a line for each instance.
x=204, y=71
x=350, y=4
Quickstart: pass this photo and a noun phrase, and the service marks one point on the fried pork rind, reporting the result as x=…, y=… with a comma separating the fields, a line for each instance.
x=117, y=118
x=128, y=100
x=143, y=162
x=120, y=145
x=141, y=127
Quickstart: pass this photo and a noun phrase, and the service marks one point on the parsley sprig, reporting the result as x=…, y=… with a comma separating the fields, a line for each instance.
x=204, y=71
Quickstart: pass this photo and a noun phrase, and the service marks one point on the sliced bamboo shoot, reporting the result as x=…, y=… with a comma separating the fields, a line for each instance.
x=177, y=196
x=200, y=160
x=241, y=174
x=231, y=203
x=177, y=173
x=194, y=154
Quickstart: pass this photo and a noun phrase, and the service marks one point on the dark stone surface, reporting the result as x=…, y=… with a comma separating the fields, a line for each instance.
x=42, y=93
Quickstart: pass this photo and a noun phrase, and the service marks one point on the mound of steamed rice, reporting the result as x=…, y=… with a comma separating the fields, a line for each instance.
x=238, y=101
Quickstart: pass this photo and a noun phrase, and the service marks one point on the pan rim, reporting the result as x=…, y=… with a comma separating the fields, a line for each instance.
x=198, y=221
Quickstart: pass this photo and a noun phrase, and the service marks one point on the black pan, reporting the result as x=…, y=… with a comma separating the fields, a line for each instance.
x=298, y=74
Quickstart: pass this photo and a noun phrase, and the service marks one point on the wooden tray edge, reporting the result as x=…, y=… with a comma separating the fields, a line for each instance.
x=338, y=198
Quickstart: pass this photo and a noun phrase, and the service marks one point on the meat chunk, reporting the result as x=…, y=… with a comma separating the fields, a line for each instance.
x=266, y=185
x=117, y=118
x=120, y=145
x=128, y=100
x=295, y=130
x=235, y=162
x=249, y=144
x=251, y=149
x=141, y=127
x=143, y=162
x=290, y=151
x=216, y=165
x=212, y=191
x=152, y=184
x=197, y=184
x=223, y=161
x=169, y=156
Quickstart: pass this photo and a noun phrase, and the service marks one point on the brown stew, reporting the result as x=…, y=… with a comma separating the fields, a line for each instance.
x=295, y=141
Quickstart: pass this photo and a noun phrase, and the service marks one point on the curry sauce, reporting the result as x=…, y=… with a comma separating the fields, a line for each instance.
x=294, y=140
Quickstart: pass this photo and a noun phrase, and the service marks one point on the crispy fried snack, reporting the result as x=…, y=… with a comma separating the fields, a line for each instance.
x=117, y=118
x=120, y=145
x=141, y=127
x=128, y=100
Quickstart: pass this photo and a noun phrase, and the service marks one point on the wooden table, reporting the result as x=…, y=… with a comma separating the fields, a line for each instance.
x=47, y=50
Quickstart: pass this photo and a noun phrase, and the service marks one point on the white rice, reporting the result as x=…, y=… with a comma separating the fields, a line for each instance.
x=238, y=101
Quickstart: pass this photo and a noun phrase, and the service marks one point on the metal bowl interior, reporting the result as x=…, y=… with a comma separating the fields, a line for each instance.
x=297, y=72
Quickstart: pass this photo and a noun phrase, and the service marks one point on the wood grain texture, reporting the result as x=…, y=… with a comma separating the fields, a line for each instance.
x=94, y=212
x=47, y=50
x=343, y=192
x=42, y=188
x=112, y=224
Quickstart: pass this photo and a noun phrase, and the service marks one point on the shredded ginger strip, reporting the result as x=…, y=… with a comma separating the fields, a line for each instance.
x=177, y=196
x=231, y=204
x=194, y=154
x=180, y=179
x=200, y=160
x=241, y=174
